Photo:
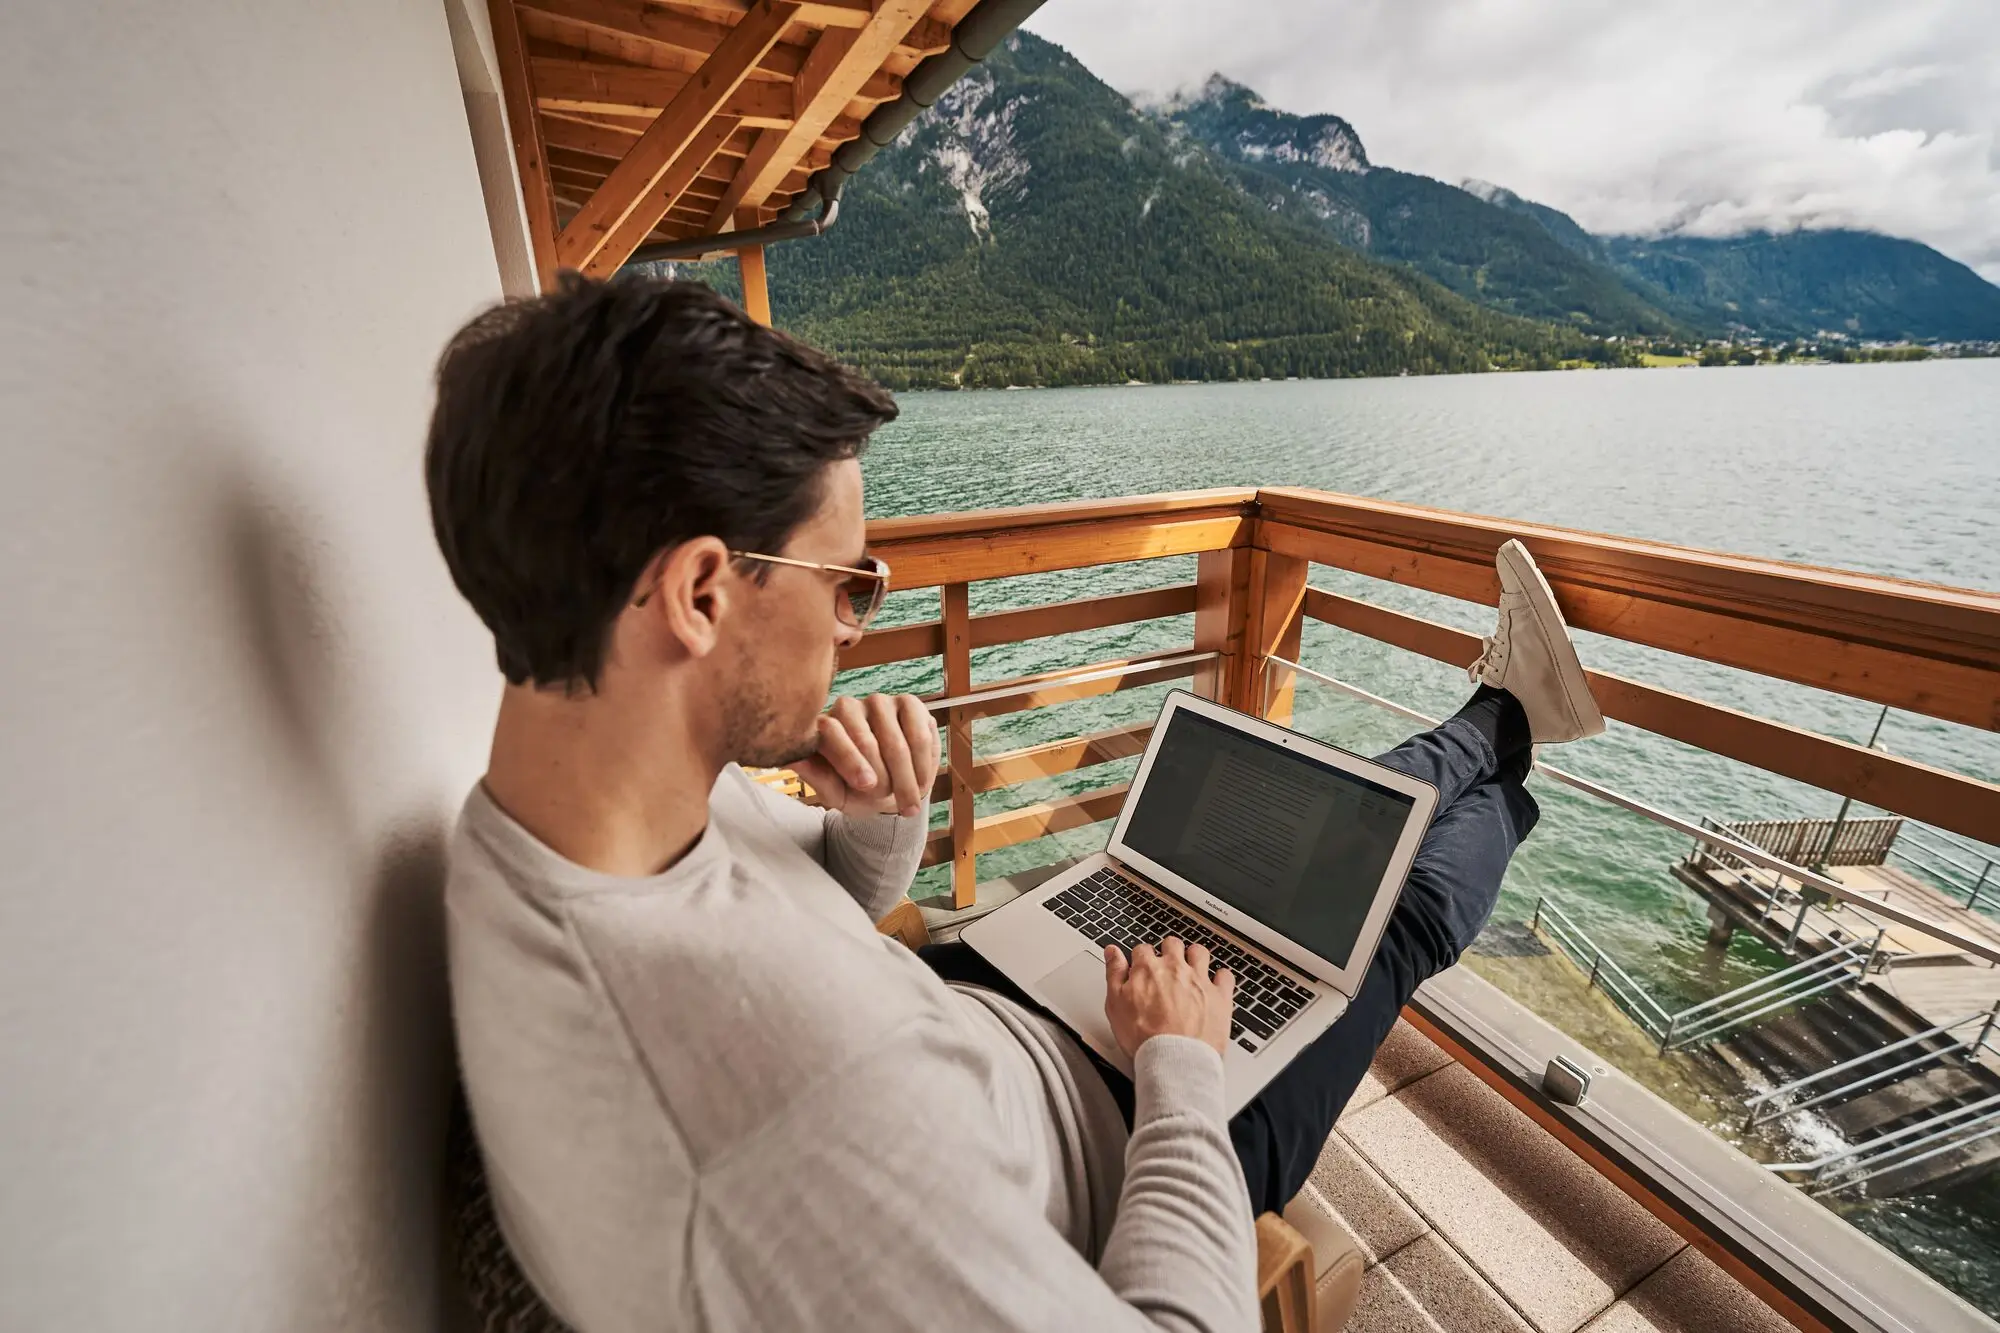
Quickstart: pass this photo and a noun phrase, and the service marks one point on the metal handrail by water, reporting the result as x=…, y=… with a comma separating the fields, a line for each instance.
x=1958, y=1127
x=1930, y=850
x=1775, y=1104
x=1702, y=830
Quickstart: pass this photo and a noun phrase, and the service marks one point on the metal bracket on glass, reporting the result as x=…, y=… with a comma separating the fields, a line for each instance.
x=1566, y=1081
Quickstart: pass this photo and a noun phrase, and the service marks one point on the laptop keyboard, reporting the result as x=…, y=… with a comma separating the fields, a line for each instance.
x=1111, y=909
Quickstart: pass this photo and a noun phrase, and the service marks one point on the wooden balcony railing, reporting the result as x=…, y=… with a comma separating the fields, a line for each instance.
x=1919, y=647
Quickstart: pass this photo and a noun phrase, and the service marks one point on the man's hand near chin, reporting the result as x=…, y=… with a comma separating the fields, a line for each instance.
x=877, y=756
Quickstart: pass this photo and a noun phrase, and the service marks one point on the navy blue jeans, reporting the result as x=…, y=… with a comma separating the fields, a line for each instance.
x=1483, y=814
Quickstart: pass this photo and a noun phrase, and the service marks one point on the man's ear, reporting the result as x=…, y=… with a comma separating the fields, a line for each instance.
x=693, y=594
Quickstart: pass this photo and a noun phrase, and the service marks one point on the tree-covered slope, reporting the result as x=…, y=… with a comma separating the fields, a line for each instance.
x=1034, y=228
x=1315, y=167
x=1792, y=284
x=1800, y=283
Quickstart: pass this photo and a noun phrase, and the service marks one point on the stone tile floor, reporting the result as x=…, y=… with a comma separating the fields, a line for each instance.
x=1472, y=1218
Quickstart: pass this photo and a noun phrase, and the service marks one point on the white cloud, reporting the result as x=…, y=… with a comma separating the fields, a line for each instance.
x=1712, y=116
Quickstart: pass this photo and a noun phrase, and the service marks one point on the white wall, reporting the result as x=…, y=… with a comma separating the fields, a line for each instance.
x=238, y=696
x=493, y=149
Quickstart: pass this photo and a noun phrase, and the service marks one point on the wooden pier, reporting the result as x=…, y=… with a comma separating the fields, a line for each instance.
x=1910, y=986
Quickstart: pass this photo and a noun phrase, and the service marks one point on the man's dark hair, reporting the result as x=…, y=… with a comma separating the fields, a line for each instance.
x=579, y=433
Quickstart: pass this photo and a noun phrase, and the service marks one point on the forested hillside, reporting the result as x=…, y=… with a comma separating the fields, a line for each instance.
x=1852, y=282
x=1034, y=228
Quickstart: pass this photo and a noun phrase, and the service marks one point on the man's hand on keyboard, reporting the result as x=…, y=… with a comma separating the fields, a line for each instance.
x=1170, y=993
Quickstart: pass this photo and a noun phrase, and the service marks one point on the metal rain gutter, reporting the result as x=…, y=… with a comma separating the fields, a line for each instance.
x=975, y=37
x=791, y=229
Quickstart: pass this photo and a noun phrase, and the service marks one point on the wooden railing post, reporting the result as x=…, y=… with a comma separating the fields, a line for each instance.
x=756, y=286
x=1221, y=602
x=957, y=614
x=1276, y=602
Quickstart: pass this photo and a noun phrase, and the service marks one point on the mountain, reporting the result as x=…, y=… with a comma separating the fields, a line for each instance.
x=1316, y=167
x=1790, y=284
x=1492, y=246
x=1566, y=230
x=1804, y=282
x=1034, y=227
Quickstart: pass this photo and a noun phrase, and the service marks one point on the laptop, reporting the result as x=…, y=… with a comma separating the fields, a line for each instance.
x=1282, y=854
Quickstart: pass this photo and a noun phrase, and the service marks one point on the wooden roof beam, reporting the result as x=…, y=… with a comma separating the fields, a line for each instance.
x=593, y=86
x=576, y=159
x=815, y=14
x=588, y=177
x=575, y=67
x=926, y=37
x=673, y=184
x=576, y=136
x=634, y=185
x=568, y=41
x=628, y=128
x=663, y=30
x=841, y=63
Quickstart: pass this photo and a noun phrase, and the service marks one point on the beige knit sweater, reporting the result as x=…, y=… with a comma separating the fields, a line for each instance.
x=716, y=1099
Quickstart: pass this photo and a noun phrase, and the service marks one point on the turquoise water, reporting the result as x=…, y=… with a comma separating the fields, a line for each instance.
x=1892, y=469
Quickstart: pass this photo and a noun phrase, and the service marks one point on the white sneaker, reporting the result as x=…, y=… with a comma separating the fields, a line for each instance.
x=1530, y=656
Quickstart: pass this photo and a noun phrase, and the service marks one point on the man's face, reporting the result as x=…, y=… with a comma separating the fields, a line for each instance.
x=782, y=653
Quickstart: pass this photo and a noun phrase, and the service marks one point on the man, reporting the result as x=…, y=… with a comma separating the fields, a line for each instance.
x=708, y=1094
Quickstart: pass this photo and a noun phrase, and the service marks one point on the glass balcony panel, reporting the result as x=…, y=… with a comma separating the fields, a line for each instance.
x=1629, y=949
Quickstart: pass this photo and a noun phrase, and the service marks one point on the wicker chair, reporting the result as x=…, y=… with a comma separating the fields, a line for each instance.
x=1298, y=1294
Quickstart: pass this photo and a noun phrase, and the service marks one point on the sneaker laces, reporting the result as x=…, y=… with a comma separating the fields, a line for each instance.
x=1492, y=660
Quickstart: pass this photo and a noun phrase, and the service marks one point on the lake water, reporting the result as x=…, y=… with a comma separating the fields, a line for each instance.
x=1893, y=469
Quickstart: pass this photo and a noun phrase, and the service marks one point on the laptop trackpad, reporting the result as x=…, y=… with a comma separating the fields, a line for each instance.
x=1076, y=992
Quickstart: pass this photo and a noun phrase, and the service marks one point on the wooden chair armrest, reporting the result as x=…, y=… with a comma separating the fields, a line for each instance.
x=1284, y=1277
x=906, y=923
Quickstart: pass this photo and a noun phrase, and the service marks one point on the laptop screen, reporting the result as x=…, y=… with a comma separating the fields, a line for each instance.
x=1296, y=844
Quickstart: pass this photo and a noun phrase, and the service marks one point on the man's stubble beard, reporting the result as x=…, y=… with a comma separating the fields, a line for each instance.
x=756, y=736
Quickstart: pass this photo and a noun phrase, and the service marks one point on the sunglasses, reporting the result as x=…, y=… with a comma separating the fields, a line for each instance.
x=862, y=589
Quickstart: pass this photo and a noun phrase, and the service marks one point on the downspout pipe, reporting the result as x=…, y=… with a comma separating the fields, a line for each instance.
x=788, y=229
x=984, y=27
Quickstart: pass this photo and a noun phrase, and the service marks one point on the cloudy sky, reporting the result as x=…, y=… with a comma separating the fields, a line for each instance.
x=1709, y=116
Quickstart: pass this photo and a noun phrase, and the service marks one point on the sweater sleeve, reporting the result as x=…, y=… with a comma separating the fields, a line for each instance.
x=1184, y=1210
x=888, y=1199
x=873, y=857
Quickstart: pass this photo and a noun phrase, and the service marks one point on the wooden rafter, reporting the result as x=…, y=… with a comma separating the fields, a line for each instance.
x=678, y=177
x=525, y=130
x=565, y=135
x=662, y=30
x=594, y=86
x=926, y=38
x=680, y=122
x=612, y=136
x=841, y=63
x=576, y=160
x=670, y=119
x=660, y=78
